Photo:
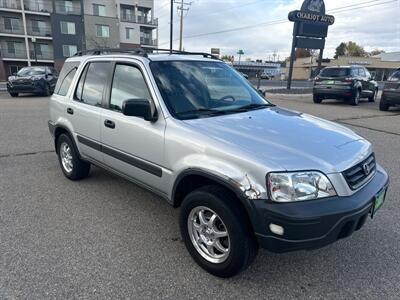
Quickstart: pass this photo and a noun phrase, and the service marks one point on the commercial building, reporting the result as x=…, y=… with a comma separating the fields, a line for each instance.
x=46, y=32
x=381, y=66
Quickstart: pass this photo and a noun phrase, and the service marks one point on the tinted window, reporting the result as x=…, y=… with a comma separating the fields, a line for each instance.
x=65, y=72
x=354, y=72
x=335, y=72
x=129, y=84
x=362, y=72
x=94, y=83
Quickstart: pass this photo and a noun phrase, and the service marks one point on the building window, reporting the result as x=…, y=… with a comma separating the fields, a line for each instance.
x=128, y=14
x=68, y=6
x=99, y=10
x=69, y=50
x=129, y=33
x=38, y=26
x=68, y=28
x=103, y=31
x=11, y=24
x=42, y=50
x=16, y=48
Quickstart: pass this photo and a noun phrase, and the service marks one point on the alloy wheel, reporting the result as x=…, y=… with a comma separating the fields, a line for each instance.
x=66, y=157
x=208, y=234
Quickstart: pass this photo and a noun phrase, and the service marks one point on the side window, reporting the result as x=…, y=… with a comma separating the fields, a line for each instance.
x=65, y=78
x=362, y=72
x=92, y=83
x=129, y=84
x=354, y=72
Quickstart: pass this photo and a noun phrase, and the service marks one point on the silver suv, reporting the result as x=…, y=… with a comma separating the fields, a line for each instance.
x=244, y=172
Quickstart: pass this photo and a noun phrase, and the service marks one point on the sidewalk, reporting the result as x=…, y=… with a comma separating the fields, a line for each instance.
x=3, y=86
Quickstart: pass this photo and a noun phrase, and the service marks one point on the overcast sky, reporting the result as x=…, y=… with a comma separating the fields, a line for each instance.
x=372, y=24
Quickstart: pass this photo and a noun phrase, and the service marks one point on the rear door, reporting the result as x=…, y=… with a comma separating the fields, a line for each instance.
x=131, y=145
x=85, y=110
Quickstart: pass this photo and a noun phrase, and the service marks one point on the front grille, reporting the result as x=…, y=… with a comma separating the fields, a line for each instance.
x=22, y=82
x=356, y=176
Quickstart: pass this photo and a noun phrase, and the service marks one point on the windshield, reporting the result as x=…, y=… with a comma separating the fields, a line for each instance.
x=335, y=72
x=31, y=71
x=194, y=89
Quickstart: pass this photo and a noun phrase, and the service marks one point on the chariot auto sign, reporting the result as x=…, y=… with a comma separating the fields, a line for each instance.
x=310, y=29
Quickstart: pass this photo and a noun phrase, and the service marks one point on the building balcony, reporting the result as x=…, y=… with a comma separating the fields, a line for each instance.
x=62, y=8
x=147, y=21
x=39, y=30
x=38, y=6
x=13, y=53
x=10, y=4
x=148, y=42
x=12, y=29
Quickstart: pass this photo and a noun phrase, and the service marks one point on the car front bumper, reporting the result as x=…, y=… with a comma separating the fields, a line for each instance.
x=33, y=87
x=314, y=224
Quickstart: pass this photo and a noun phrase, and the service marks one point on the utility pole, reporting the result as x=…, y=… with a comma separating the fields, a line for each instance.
x=171, y=33
x=184, y=6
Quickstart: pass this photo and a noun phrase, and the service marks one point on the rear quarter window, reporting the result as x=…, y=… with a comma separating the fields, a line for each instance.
x=65, y=78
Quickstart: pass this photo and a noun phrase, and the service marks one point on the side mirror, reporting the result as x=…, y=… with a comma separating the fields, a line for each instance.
x=140, y=108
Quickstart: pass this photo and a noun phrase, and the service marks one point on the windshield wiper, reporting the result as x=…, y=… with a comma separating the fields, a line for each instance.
x=202, y=111
x=252, y=106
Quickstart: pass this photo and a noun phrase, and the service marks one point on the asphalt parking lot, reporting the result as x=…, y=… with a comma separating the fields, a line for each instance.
x=104, y=237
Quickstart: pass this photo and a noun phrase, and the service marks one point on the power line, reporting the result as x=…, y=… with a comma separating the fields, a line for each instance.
x=281, y=21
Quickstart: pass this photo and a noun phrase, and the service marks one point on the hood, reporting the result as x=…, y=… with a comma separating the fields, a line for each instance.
x=292, y=140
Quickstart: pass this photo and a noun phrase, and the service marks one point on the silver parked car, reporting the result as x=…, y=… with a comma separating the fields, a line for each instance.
x=245, y=173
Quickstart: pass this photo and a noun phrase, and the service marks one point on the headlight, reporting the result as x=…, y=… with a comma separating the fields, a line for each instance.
x=299, y=186
x=35, y=78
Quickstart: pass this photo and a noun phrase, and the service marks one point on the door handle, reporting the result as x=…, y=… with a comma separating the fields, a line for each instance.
x=70, y=111
x=109, y=124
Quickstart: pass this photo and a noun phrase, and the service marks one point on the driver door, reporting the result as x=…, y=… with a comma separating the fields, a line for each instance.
x=131, y=145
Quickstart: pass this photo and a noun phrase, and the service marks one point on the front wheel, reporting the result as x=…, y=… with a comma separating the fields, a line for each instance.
x=72, y=166
x=356, y=98
x=216, y=233
x=374, y=96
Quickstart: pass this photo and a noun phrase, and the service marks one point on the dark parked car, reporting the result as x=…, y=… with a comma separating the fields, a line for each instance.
x=391, y=92
x=350, y=83
x=36, y=80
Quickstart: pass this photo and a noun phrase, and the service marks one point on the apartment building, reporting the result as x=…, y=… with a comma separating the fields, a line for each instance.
x=46, y=32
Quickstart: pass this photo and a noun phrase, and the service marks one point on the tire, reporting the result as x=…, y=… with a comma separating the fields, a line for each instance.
x=14, y=95
x=240, y=243
x=373, y=97
x=383, y=105
x=72, y=166
x=355, y=100
x=317, y=99
x=47, y=91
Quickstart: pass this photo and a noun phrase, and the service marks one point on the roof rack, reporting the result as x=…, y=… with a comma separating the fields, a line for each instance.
x=142, y=52
x=102, y=51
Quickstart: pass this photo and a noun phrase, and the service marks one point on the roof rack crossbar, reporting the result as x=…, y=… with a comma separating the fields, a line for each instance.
x=100, y=51
x=204, y=54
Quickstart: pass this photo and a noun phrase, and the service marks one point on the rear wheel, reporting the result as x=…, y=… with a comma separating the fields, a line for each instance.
x=374, y=96
x=356, y=98
x=72, y=166
x=317, y=99
x=216, y=233
x=383, y=105
x=14, y=95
